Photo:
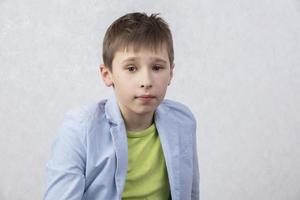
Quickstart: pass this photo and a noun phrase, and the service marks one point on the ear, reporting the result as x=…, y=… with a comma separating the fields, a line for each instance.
x=106, y=75
x=171, y=72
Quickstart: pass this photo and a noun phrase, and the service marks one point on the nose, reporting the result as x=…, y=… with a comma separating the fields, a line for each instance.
x=146, y=80
x=146, y=86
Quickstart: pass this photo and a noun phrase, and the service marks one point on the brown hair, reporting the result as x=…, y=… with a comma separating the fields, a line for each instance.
x=138, y=30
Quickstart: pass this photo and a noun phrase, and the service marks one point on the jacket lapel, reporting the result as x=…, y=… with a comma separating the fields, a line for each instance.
x=168, y=134
x=118, y=133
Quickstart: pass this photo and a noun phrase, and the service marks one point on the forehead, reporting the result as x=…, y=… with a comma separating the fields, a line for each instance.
x=141, y=53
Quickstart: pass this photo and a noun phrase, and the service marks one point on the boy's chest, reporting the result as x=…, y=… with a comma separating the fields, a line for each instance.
x=107, y=161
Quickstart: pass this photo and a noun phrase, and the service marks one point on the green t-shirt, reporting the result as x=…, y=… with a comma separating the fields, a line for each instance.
x=147, y=176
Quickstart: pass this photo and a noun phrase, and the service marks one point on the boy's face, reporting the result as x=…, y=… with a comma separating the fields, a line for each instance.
x=140, y=79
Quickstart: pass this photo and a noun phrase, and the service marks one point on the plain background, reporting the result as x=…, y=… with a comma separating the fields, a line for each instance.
x=237, y=68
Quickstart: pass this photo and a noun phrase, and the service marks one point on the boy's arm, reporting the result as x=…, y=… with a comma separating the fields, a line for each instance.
x=195, y=186
x=66, y=166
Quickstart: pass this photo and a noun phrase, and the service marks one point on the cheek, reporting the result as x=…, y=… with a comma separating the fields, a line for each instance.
x=124, y=87
x=122, y=81
x=163, y=80
x=162, y=85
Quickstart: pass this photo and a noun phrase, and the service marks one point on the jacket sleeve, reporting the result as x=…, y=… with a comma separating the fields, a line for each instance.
x=195, y=185
x=66, y=167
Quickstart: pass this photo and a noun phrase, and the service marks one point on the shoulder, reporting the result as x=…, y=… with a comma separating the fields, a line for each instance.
x=86, y=112
x=177, y=110
x=77, y=121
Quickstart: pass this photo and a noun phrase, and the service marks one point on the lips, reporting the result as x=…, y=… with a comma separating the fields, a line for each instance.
x=145, y=99
x=145, y=96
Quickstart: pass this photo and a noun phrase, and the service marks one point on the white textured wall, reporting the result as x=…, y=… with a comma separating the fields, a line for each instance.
x=237, y=67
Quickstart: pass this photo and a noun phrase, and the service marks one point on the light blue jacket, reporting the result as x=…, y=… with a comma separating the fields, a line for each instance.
x=89, y=155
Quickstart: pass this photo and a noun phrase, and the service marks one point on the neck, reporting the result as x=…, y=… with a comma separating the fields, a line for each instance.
x=137, y=122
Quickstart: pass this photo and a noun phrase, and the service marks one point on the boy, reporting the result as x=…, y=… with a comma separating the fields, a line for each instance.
x=134, y=145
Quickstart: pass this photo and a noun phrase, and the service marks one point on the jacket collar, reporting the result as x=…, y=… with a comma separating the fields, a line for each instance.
x=113, y=113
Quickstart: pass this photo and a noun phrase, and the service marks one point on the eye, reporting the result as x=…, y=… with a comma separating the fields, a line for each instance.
x=131, y=68
x=157, y=67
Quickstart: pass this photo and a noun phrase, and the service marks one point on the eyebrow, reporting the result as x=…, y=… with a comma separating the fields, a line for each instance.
x=155, y=59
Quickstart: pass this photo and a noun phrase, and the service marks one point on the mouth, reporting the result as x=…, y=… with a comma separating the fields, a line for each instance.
x=145, y=98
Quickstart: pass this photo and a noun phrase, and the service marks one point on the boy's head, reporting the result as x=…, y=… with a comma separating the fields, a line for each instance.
x=138, y=62
x=139, y=31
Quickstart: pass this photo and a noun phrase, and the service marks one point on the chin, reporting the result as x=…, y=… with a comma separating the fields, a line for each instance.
x=143, y=111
